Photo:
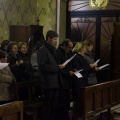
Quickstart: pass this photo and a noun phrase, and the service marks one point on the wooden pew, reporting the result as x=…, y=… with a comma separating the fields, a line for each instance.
x=32, y=103
x=11, y=111
x=100, y=97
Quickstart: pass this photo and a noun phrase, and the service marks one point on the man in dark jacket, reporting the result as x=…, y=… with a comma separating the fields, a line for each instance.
x=49, y=76
x=63, y=53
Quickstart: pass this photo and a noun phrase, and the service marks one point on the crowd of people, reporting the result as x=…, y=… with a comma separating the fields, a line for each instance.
x=56, y=79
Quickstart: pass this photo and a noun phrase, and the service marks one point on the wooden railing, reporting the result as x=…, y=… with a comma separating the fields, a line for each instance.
x=11, y=111
x=100, y=97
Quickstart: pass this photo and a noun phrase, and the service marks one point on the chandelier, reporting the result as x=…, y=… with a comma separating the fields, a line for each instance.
x=98, y=4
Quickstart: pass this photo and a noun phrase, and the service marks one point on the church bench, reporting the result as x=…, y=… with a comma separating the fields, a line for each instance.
x=32, y=103
x=11, y=111
x=100, y=97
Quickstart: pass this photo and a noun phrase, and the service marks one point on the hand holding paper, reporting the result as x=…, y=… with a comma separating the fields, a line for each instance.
x=67, y=61
x=78, y=74
x=101, y=67
x=96, y=62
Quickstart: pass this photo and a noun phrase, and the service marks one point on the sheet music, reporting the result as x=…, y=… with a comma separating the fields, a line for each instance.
x=101, y=67
x=3, y=65
x=78, y=74
x=67, y=61
x=96, y=62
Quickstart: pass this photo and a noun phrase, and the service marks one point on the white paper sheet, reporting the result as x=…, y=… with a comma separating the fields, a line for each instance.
x=96, y=62
x=3, y=65
x=67, y=61
x=101, y=67
x=78, y=74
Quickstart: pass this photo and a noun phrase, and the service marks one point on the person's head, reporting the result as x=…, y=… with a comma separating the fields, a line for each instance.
x=80, y=47
x=89, y=45
x=22, y=47
x=3, y=56
x=4, y=45
x=12, y=48
x=51, y=37
x=67, y=45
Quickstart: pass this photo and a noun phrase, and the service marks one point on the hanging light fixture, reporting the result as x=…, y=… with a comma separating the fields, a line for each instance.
x=98, y=4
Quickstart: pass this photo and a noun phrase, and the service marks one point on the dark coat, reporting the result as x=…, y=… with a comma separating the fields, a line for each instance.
x=26, y=66
x=80, y=63
x=61, y=57
x=15, y=69
x=92, y=79
x=48, y=67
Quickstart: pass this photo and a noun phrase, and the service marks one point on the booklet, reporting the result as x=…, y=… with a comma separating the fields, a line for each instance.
x=78, y=74
x=96, y=62
x=3, y=65
x=103, y=66
x=67, y=61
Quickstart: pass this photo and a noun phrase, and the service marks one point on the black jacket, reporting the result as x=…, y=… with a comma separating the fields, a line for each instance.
x=61, y=57
x=80, y=63
x=48, y=67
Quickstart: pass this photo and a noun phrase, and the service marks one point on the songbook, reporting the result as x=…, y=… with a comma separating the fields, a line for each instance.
x=3, y=65
x=67, y=61
x=103, y=66
x=77, y=73
x=96, y=62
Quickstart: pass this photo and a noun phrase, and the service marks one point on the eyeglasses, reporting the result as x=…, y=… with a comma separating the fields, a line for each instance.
x=70, y=47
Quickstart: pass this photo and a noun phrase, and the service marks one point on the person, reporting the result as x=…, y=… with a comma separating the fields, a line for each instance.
x=34, y=61
x=63, y=53
x=92, y=79
x=7, y=80
x=26, y=67
x=15, y=63
x=50, y=77
x=79, y=63
x=4, y=45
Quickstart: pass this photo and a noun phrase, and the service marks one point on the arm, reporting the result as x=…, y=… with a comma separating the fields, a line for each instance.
x=44, y=63
x=5, y=78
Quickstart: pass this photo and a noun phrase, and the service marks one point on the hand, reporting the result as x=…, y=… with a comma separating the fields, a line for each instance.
x=71, y=73
x=61, y=66
x=97, y=69
x=21, y=62
x=91, y=65
x=17, y=63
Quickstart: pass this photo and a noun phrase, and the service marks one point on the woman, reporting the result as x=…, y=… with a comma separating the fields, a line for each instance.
x=90, y=60
x=24, y=56
x=15, y=63
x=7, y=80
x=79, y=63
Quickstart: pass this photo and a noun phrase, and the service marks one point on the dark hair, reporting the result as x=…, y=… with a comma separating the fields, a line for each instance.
x=66, y=42
x=4, y=43
x=10, y=46
x=51, y=34
x=3, y=54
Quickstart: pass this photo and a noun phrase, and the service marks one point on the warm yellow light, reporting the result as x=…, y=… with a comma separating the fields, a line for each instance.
x=98, y=4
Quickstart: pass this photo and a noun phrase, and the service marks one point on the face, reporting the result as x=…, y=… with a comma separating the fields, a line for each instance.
x=52, y=41
x=89, y=48
x=69, y=47
x=14, y=49
x=83, y=50
x=23, y=49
